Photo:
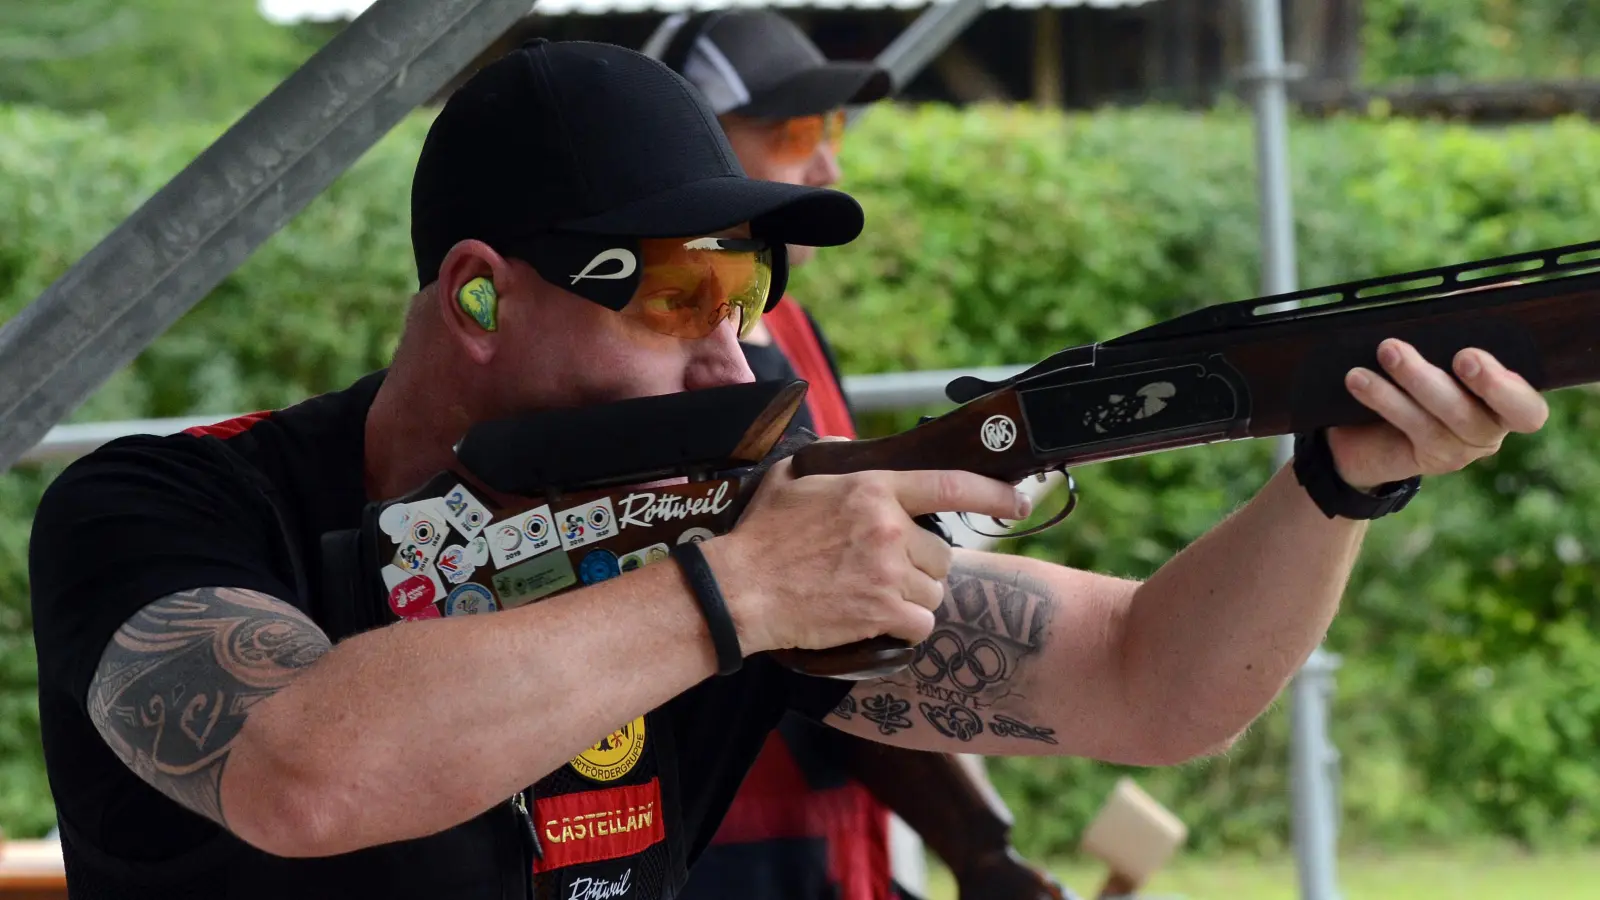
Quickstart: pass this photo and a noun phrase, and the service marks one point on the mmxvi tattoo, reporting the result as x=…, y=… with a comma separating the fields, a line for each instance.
x=988, y=626
x=176, y=682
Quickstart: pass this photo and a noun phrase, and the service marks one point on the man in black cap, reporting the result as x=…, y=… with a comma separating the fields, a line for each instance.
x=219, y=721
x=812, y=817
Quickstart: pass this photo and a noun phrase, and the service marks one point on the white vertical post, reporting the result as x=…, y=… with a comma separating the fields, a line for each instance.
x=1313, y=759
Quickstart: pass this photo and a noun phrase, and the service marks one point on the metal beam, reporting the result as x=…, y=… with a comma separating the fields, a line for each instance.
x=1313, y=760
x=206, y=221
x=927, y=37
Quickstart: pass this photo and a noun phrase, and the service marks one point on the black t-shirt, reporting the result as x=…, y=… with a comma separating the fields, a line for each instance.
x=145, y=517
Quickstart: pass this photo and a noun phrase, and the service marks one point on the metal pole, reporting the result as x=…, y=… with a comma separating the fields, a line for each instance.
x=1313, y=759
x=927, y=37
x=166, y=256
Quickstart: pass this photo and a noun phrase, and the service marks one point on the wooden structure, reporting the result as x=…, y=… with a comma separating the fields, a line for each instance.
x=1061, y=53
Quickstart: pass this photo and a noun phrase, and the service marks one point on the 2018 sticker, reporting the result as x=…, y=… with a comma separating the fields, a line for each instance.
x=422, y=538
x=521, y=537
x=586, y=524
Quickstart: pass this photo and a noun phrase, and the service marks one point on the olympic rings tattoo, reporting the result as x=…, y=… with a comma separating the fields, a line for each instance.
x=971, y=667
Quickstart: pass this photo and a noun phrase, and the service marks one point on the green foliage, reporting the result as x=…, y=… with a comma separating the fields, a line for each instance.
x=1480, y=39
x=155, y=59
x=1465, y=703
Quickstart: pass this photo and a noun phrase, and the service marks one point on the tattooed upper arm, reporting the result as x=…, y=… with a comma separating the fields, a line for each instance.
x=177, y=680
x=970, y=679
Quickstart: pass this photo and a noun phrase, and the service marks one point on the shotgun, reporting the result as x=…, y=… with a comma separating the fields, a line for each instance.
x=553, y=500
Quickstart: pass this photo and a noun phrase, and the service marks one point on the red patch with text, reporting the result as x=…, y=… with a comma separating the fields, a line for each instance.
x=595, y=825
x=409, y=594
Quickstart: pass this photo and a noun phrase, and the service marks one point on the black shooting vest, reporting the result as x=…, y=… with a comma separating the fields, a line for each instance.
x=605, y=826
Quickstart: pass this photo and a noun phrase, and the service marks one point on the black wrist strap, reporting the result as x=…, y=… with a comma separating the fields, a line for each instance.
x=1314, y=469
x=724, y=637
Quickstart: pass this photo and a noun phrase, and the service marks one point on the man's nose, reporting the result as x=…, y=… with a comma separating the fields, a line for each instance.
x=718, y=360
x=824, y=170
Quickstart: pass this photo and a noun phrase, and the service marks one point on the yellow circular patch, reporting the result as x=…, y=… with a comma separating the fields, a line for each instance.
x=615, y=755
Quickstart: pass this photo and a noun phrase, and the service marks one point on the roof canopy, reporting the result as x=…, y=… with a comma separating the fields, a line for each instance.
x=286, y=11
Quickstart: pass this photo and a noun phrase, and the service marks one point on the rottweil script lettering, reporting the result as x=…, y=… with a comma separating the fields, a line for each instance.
x=600, y=824
x=647, y=507
x=600, y=888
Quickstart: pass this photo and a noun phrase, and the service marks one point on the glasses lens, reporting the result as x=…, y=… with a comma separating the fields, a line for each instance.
x=687, y=287
x=795, y=140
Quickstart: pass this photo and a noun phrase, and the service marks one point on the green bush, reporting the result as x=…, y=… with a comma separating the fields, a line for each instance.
x=1465, y=703
x=995, y=236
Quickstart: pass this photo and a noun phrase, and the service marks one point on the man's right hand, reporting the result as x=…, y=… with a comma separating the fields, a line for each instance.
x=826, y=560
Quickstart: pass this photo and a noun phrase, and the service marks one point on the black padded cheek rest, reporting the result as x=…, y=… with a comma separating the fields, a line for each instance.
x=1321, y=398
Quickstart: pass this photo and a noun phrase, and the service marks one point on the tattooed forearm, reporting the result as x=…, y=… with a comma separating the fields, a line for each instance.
x=952, y=721
x=887, y=711
x=969, y=678
x=990, y=624
x=176, y=682
x=1006, y=726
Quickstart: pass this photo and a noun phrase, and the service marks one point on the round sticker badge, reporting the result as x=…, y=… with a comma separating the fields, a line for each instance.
x=696, y=535
x=598, y=565
x=535, y=527
x=614, y=756
x=470, y=599
x=410, y=594
x=631, y=561
x=599, y=518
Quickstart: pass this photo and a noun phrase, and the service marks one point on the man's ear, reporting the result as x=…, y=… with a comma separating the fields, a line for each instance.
x=473, y=281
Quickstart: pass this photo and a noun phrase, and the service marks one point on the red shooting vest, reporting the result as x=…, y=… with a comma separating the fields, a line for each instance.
x=775, y=801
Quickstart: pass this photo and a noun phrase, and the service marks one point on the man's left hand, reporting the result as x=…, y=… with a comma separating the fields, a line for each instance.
x=1432, y=423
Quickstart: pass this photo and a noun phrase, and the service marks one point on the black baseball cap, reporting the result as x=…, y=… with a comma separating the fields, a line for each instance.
x=590, y=138
x=755, y=62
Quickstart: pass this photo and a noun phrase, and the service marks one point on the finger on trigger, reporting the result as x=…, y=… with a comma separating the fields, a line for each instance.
x=954, y=490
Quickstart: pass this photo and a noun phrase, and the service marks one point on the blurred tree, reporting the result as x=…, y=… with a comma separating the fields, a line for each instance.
x=150, y=60
x=1481, y=39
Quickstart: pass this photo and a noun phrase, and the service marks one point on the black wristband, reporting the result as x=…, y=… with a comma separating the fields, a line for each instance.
x=724, y=637
x=1314, y=469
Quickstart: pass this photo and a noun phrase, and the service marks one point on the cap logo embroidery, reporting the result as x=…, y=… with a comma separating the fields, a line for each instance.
x=615, y=254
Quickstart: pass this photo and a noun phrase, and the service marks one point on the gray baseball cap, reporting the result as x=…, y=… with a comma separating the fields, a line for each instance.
x=755, y=62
